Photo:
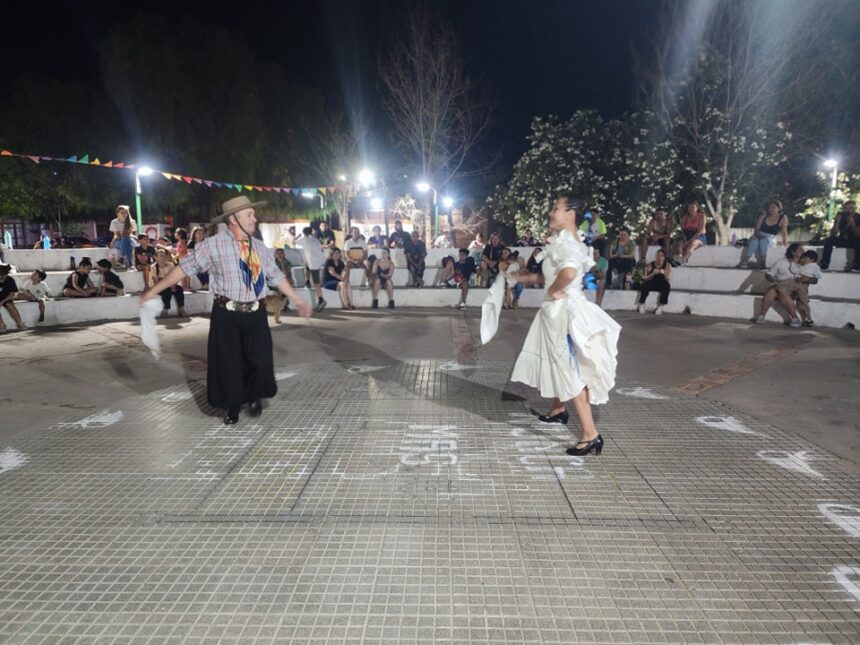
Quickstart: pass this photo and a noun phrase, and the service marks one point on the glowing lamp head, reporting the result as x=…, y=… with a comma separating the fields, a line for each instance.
x=831, y=163
x=309, y=195
x=366, y=177
x=145, y=171
x=423, y=186
x=447, y=202
x=376, y=204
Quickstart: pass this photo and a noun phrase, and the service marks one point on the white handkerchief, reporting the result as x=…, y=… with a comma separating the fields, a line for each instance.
x=491, y=309
x=148, y=327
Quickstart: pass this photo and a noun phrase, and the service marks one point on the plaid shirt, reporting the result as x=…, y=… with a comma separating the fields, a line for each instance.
x=219, y=256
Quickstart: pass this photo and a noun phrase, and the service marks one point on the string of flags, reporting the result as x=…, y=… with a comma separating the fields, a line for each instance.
x=209, y=183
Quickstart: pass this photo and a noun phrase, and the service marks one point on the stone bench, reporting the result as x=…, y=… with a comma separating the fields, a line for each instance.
x=833, y=284
x=56, y=280
x=28, y=260
x=727, y=257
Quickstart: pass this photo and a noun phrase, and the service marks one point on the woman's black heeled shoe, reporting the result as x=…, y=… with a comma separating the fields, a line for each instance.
x=595, y=444
x=561, y=417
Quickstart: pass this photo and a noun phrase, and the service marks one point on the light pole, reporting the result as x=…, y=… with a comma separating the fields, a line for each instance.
x=448, y=203
x=834, y=165
x=423, y=186
x=143, y=171
x=309, y=195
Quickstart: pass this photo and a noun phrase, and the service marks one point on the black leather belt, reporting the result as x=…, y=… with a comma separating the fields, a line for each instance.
x=242, y=307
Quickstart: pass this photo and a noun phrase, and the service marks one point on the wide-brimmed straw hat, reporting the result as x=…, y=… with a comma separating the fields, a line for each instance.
x=234, y=206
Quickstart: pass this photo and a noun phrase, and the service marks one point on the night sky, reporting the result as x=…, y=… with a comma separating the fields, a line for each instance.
x=541, y=57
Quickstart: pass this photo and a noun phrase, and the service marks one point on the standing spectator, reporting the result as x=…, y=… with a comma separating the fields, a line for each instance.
x=658, y=232
x=808, y=272
x=692, y=232
x=78, y=284
x=845, y=234
x=492, y=255
x=593, y=231
x=163, y=266
x=123, y=229
x=8, y=291
x=509, y=268
x=623, y=258
x=325, y=236
x=356, y=253
x=416, y=252
x=377, y=240
x=383, y=272
x=598, y=273
x=785, y=287
x=657, y=277
x=34, y=289
x=144, y=257
x=290, y=239
x=198, y=234
x=336, y=279
x=313, y=254
x=111, y=284
x=399, y=239
x=527, y=239
x=771, y=223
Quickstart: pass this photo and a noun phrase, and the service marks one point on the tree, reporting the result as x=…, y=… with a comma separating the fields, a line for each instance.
x=720, y=80
x=438, y=112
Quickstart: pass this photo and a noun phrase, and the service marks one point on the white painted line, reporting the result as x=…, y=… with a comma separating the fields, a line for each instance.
x=844, y=516
x=101, y=419
x=796, y=461
x=730, y=424
x=848, y=578
x=11, y=459
x=640, y=393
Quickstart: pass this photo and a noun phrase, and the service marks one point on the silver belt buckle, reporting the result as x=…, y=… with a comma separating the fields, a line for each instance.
x=230, y=305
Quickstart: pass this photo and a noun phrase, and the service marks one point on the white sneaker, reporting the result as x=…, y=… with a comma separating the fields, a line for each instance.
x=759, y=320
x=461, y=305
x=641, y=309
x=795, y=322
x=658, y=311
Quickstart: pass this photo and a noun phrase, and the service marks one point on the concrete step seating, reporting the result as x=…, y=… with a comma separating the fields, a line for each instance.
x=727, y=257
x=56, y=280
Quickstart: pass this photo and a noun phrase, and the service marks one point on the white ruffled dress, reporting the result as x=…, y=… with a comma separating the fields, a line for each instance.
x=572, y=342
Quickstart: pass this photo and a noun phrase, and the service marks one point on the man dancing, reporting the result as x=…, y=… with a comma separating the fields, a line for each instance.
x=240, y=365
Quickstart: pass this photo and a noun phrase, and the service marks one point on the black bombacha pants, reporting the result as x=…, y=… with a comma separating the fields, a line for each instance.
x=241, y=369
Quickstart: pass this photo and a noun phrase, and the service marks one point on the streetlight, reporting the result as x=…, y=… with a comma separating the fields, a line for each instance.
x=834, y=164
x=447, y=202
x=366, y=177
x=376, y=204
x=424, y=187
x=312, y=195
x=143, y=171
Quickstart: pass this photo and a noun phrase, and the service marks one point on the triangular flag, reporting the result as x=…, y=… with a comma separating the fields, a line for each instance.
x=84, y=159
x=276, y=189
x=197, y=181
x=46, y=158
x=322, y=189
x=208, y=183
x=6, y=153
x=331, y=189
x=129, y=166
x=247, y=187
x=166, y=175
x=219, y=184
x=268, y=189
x=72, y=159
x=238, y=187
x=119, y=165
x=34, y=159
x=109, y=164
x=228, y=185
x=187, y=180
x=96, y=162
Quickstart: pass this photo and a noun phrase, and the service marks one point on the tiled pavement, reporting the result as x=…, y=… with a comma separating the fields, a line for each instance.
x=421, y=501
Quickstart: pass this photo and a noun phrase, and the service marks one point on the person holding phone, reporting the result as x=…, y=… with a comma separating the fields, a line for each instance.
x=657, y=276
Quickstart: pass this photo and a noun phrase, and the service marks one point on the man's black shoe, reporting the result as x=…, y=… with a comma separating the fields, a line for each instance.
x=255, y=408
x=231, y=418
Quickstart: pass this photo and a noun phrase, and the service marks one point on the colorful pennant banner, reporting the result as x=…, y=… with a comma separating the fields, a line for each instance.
x=209, y=183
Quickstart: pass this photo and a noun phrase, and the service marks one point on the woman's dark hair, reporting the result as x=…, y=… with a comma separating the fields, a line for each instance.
x=660, y=250
x=105, y=264
x=5, y=269
x=573, y=203
x=180, y=234
x=85, y=262
x=791, y=250
x=812, y=255
x=42, y=275
x=775, y=202
x=624, y=229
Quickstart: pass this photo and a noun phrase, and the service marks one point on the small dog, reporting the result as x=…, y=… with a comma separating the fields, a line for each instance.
x=275, y=305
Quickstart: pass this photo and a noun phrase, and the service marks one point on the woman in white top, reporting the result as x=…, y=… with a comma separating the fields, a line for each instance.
x=571, y=348
x=123, y=229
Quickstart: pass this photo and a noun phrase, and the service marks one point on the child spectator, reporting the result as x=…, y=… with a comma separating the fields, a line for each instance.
x=509, y=268
x=34, y=289
x=78, y=284
x=286, y=268
x=144, y=257
x=383, y=270
x=336, y=279
x=111, y=284
x=593, y=232
x=598, y=272
x=181, y=250
x=808, y=273
x=464, y=267
x=163, y=265
x=197, y=236
x=8, y=291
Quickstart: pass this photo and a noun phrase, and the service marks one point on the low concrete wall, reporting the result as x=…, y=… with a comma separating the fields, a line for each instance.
x=727, y=257
x=27, y=260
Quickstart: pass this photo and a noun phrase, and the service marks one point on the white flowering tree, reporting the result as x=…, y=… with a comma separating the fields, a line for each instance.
x=616, y=166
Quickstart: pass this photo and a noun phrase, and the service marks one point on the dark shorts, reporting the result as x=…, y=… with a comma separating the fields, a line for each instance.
x=314, y=276
x=331, y=284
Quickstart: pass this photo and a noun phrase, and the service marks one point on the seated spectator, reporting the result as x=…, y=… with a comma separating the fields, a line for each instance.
x=198, y=234
x=34, y=289
x=399, y=239
x=593, y=232
x=442, y=241
x=509, y=268
x=144, y=257
x=658, y=274
x=445, y=274
x=658, y=232
x=598, y=273
x=464, y=268
x=377, y=240
x=290, y=239
x=325, y=236
x=527, y=239
x=123, y=229
x=845, y=234
x=477, y=245
x=181, y=250
x=111, y=284
x=532, y=265
x=8, y=291
x=78, y=284
x=491, y=257
x=163, y=265
x=784, y=288
x=622, y=258
x=692, y=232
x=336, y=279
x=771, y=223
x=383, y=272
x=808, y=273
x=416, y=253
x=476, y=250
x=356, y=254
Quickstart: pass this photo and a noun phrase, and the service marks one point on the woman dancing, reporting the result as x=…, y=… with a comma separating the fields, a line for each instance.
x=570, y=351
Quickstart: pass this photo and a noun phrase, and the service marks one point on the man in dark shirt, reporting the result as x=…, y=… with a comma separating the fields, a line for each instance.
x=399, y=239
x=490, y=261
x=845, y=234
x=377, y=240
x=8, y=291
x=325, y=236
x=416, y=251
x=144, y=257
x=464, y=267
